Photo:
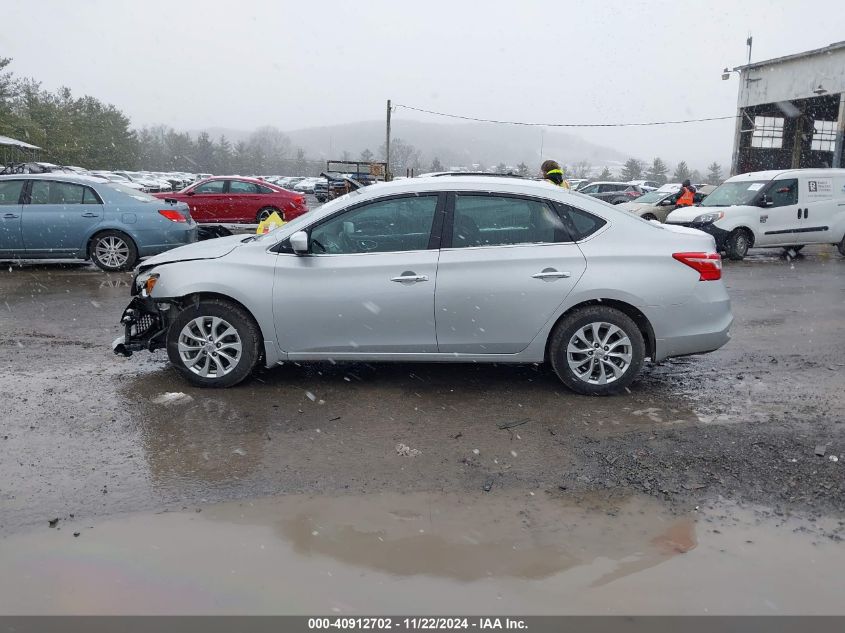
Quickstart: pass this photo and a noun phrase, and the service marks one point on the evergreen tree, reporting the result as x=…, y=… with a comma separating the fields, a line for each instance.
x=681, y=172
x=435, y=165
x=695, y=176
x=633, y=170
x=501, y=168
x=223, y=156
x=522, y=170
x=657, y=171
x=714, y=173
x=605, y=175
x=205, y=155
x=366, y=156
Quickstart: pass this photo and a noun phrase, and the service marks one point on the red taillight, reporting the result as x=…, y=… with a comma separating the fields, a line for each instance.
x=633, y=194
x=173, y=216
x=708, y=265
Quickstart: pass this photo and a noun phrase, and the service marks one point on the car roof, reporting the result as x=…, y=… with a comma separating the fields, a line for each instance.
x=771, y=174
x=609, y=182
x=81, y=179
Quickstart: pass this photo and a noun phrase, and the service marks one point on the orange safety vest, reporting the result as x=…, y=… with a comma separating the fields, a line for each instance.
x=686, y=199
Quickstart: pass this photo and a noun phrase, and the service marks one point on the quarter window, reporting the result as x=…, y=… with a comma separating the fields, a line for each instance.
x=10, y=191
x=581, y=223
x=398, y=224
x=212, y=186
x=784, y=193
x=51, y=192
x=265, y=189
x=502, y=220
x=89, y=197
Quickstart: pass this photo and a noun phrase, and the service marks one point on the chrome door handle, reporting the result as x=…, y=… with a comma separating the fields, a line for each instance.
x=10, y=216
x=90, y=215
x=551, y=274
x=410, y=277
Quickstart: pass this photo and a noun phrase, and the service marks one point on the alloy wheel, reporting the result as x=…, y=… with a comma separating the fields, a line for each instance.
x=209, y=346
x=112, y=251
x=599, y=353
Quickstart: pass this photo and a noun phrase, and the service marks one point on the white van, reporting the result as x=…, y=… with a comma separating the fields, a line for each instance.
x=776, y=208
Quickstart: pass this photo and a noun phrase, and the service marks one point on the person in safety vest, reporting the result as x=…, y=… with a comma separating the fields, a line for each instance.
x=686, y=196
x=550, y=170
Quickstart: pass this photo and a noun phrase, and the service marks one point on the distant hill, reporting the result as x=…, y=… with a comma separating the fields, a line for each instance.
x=452, y=144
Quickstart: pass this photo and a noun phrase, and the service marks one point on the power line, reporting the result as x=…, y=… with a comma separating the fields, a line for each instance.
x=479, y=120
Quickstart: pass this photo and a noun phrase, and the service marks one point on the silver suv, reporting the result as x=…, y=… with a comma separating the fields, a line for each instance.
x=446, y=269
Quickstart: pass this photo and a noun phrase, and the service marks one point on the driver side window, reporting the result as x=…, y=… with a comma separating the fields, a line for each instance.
x=212, y=186
x=784, y=193
x=398, y=224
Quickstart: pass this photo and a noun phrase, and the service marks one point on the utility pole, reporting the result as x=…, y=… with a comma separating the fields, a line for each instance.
x=387, y=146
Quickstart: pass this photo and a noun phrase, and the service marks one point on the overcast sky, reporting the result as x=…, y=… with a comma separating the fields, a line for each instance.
x=296, y=64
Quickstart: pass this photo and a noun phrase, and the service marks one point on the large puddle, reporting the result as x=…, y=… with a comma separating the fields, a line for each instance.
x=498, y=553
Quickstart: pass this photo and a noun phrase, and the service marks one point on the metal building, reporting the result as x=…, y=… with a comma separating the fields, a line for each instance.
x=791, y=111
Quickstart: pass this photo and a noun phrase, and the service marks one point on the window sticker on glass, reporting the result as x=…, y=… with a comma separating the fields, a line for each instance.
x=755, y=186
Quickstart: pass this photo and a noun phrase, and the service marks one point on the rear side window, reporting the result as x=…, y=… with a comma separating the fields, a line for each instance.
x=265, y=189
x=581, y=223
x=51, y=192
x=239, y=186
x=491, y=220
x=10, y=191
x=89, y=197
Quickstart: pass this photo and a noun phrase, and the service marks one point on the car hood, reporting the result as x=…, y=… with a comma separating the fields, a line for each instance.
x=207, y=249
x=634, y=205
x=688, y=214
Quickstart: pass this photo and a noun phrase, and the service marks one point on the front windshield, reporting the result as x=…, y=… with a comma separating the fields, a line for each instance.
x=651, y=197
x=731, y=194
x=303, y=220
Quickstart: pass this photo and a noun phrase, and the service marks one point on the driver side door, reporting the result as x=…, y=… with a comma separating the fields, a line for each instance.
x=367, y=284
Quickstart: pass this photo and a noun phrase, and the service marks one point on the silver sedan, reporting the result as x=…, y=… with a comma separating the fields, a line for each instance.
x=446, y=269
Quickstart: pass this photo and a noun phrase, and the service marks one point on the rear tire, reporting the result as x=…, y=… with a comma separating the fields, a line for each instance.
x=648, y=216
x=597, y=351
x=737, y=244
x=266, y=212
x=841, y=247
x=113, y=251
x=214, y=343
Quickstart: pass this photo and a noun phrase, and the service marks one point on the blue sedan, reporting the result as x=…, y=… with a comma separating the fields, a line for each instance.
x=58, y=216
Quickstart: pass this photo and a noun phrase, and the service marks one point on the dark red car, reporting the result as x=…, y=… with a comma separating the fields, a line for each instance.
x=237, y=200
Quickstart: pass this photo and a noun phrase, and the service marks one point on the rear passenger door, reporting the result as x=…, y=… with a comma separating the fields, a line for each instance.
x=58, y=217
x=11, y=242
x=506, y=263
x=816, y=198
x=244, y=200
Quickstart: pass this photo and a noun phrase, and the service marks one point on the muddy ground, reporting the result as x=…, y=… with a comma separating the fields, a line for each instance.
x=86, y=435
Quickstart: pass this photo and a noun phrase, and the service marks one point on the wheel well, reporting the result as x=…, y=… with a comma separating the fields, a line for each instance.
x=100, y=232
x=636, y=316
x=748, y=232
x=200, y=296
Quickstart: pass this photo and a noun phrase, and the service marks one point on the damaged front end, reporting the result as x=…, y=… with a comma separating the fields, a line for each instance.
x=145, y=321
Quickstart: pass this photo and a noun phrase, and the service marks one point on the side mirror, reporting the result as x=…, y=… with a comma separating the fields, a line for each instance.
x=299, y=242
x=766, y=201
x=191, y=192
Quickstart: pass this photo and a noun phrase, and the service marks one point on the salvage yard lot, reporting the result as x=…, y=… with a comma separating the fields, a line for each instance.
x=92, y=434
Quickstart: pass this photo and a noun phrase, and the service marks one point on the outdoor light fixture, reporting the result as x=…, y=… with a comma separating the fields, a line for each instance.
x=726, y=74
x=820, y=90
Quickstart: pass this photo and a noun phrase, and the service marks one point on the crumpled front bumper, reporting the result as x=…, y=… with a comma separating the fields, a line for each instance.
x=145, y=327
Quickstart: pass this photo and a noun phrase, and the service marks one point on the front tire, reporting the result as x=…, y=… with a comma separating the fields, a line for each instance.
x=648, y=216
x=214, y=343
x=737, y=244
x=841, y=247
x=113, y=251
x=597, y=351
